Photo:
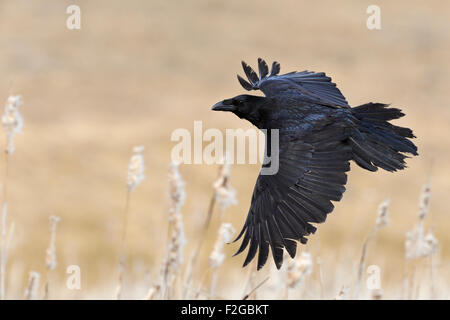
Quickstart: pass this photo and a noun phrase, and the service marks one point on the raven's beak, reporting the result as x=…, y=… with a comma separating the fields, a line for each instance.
x=221, y=106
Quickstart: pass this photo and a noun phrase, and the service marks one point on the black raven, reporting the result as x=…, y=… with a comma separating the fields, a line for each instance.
x=319, y=133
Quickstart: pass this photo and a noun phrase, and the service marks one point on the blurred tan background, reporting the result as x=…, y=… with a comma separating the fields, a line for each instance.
x=137, y=70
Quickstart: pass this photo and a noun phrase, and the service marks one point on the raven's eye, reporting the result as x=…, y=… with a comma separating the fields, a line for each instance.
x=237, y=102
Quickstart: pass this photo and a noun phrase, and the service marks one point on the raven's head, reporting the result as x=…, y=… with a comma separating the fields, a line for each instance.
x=244, y=106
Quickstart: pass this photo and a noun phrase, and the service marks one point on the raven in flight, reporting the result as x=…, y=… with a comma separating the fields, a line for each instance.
x=319, y=133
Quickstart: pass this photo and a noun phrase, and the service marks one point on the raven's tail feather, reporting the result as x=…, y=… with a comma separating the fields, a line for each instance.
x=376, y=142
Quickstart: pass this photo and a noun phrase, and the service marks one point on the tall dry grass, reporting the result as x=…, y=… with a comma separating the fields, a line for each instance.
x=136, y=72
x=12, y=123
x=178, y=278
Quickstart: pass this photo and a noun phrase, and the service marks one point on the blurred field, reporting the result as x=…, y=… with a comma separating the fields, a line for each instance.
x=138, y=70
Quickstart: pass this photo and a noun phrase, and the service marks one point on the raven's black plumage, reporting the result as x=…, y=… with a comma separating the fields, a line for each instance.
x=319, y=134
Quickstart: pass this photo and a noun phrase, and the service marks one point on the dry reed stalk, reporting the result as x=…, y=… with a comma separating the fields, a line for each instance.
x=174, y=257
x=413, y=240
x=122, y=261
x=432, y=246
x=33, y=286
x=298, y=269
x=153, y=292
x=342, y=294
x=382, y=221
x=246, y=283
x=319, y=268
x=50, y=257
x=3, y=254
x=12, y=123
x=224, y=195
x=135, y=175
x=433, y=294
x=424, y=201
x=216, y=258
x=320, y=272
x=9, y=238
x=199, y=290
x=253, y=291
x=195, y=254
x=252, y=295
x=418, y=246
x=200, y=294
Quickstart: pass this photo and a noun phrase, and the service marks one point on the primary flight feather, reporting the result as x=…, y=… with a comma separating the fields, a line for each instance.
x=319, y=134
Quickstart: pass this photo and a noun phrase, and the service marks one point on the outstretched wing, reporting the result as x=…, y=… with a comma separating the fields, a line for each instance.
x=311, y=173
x=305, y=86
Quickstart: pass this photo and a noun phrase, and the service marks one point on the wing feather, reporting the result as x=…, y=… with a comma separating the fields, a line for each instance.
x=284, y=207
x=304, y=86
